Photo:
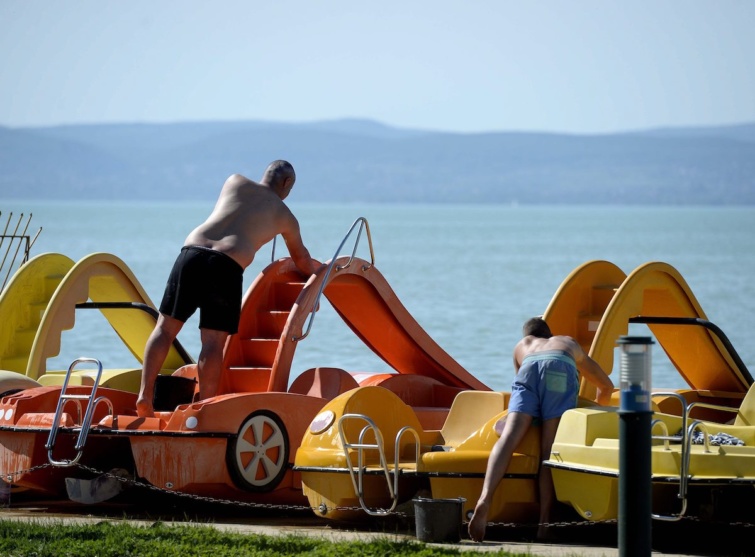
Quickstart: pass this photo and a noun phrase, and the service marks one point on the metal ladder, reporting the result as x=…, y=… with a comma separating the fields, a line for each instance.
x=686, y=446
x=85, y=422
x=357, y=478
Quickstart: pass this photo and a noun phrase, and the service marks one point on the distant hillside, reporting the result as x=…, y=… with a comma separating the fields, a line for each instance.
x=364, y=161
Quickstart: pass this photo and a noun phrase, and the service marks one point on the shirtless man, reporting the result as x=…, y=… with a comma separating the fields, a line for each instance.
x=208, y=273
x=546, y=385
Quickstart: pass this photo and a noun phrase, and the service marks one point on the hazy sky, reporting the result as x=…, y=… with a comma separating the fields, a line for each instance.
x=498, y=65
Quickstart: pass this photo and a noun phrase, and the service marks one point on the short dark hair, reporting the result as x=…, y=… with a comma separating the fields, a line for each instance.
x=536, y=327
x=278, y=171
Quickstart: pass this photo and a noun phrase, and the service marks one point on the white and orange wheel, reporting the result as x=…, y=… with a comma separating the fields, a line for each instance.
x=258, y=455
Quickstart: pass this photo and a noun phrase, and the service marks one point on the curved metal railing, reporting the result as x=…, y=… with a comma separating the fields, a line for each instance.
x=358, y=472
x=363, y=225
x=712, y=327
x=686, y=440
x=86, y=422
x=23, y=240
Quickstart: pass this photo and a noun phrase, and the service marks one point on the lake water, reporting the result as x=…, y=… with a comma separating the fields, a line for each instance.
x=470, y=275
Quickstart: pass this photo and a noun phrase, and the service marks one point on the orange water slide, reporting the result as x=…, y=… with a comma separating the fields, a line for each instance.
x=367, y=304
x=278, y=308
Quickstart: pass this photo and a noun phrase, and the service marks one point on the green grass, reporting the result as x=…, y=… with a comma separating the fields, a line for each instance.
x=52, y=539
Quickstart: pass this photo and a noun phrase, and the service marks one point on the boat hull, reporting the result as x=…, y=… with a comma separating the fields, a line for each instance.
x=25, y=422
x=585, y=465
x=441, y=464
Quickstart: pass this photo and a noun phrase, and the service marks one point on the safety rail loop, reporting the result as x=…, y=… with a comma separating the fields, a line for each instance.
x=665, y=437
x=363, y=225
x=361, y=446
x=86, y=421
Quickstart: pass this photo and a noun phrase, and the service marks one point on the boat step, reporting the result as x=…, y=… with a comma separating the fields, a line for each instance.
x=271, y=323
x=259, y=352
x=248, y=379
x=284, y=295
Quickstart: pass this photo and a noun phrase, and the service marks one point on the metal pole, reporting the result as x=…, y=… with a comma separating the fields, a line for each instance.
x=635, y=505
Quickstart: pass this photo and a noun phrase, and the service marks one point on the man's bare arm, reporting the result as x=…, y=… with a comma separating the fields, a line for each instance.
x=299, y=253
x=595, y=375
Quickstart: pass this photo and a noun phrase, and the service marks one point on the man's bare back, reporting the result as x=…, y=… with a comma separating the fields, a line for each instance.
x=246, y=216
x=532, y=344
x=586, y=365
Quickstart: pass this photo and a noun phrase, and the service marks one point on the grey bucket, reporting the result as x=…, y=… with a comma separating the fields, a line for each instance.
x=439, y=520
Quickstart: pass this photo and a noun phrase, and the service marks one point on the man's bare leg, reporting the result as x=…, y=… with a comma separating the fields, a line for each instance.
x=514, y=429
x=545, y=478
x=155, y=352
x=210, y=364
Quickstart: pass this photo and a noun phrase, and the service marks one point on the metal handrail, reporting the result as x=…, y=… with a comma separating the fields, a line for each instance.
x=683, y=401
x=358, y=481
x=686, y=447
x=684, y=470
x=665, y=437
x=272, y=254
x=397, y=454
x=363, y=225
x=22, y=238
x=712, y=327
x=682, y=495
x=86, y=421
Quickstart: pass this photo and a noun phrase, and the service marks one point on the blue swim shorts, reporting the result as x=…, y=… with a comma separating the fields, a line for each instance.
x=546, y=386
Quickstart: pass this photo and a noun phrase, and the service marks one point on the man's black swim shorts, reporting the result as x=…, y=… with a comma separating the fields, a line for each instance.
x=208, y=280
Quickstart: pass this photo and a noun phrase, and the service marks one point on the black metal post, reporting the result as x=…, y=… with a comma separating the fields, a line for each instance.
x=635, y=413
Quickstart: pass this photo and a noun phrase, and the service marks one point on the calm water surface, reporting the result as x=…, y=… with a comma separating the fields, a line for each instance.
x=470, y=275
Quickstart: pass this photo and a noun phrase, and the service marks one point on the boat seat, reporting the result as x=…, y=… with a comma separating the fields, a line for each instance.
x=470, y=410
x=12, y=382
x=746, y=413
x=420, y=391
x=323, y=382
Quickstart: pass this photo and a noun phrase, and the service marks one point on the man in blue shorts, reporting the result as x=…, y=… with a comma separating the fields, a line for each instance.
x=208, y=273
x=546, y=385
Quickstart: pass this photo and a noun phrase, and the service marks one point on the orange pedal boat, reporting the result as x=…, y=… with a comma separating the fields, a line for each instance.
x=240, y=444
